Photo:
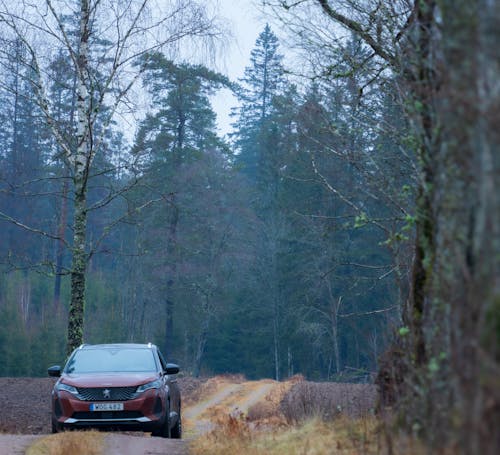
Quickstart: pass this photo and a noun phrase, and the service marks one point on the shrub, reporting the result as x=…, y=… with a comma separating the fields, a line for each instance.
x=327, y=400
x=261, y=410
x=191, y=388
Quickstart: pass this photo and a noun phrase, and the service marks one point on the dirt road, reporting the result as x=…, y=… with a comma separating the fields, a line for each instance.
x=229, y=398
x=122, y=444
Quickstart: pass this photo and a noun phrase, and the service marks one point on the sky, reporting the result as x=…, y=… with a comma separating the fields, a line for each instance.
x=245, y=23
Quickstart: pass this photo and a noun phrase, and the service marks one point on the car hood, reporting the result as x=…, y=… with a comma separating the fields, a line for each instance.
x=108, y=379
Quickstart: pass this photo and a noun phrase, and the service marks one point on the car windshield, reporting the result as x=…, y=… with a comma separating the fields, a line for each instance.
x=111, y=361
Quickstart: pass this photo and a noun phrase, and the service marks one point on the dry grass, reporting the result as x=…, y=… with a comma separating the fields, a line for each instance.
x=327, y=400
x=212, y=385
x=268, y=411
x=70, y=442
x=344, y=436
x=263, y=410
x=235, y=400
x=190, y=389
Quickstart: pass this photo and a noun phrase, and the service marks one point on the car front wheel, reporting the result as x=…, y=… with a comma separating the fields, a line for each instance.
x=164, y=430
x=56, y=428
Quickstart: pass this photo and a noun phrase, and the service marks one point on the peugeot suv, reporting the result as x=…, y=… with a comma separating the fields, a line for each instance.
x=117, y=386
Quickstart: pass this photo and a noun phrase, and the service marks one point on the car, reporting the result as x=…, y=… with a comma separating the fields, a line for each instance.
x=117, y=387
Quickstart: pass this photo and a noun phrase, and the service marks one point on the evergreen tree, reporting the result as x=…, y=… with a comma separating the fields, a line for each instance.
x=261, y=137
x=173, y=143
x=262, y=81
x=25, y=156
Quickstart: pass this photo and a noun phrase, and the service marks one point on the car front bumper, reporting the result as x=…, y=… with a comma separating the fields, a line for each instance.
x=143, y=413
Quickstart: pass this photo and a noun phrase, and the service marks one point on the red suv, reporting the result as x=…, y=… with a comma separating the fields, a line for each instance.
x=117, y=386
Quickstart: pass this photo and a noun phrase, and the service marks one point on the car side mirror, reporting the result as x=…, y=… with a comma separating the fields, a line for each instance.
x=54, y=371
x=172, y=368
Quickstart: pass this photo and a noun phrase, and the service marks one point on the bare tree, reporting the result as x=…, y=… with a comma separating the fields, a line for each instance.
x=103, y=51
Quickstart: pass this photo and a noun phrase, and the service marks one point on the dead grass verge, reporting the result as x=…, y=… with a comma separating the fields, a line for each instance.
x=268, y=411
x=314, y=437
x=69, y=442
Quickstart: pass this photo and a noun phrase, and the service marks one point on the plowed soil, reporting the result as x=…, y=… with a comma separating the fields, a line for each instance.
x=25, y=405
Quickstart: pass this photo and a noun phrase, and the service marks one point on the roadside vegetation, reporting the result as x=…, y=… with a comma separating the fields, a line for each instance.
x=296, y=417
x=236, y=435
x=70, y=442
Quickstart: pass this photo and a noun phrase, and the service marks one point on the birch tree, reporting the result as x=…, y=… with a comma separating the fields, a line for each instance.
x=105, y=74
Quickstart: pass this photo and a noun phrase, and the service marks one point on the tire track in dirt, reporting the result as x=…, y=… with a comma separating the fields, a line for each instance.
x=192, y=415
x=229, y=399
x=195, y=411
x=254, y=396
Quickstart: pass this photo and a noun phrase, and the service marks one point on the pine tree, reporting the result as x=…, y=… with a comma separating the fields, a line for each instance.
x=172, y=143
x=262, y=82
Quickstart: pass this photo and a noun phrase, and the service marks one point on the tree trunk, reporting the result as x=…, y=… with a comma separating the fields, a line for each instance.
x=78, y=268
x=468, y=272
x=60, y=247
x=422, y=88
x=336, y=351
x=81, y=163
x=202, y=340
x=172, y=271
x=276, y=347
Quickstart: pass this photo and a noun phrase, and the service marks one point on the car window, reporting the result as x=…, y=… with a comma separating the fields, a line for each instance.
x=162, y=360
x=111, y=361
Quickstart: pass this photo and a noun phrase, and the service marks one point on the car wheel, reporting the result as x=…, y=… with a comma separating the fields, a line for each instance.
x=164, y=430
x=55, y=427
x=176, y=432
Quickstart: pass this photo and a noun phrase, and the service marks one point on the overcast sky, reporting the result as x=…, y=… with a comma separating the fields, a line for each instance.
x=246, y=23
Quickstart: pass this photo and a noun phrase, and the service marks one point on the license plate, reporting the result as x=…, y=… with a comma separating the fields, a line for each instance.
x=106, y=407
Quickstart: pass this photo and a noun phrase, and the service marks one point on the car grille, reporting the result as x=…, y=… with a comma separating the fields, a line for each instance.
x=97, y=415
x=106, y=393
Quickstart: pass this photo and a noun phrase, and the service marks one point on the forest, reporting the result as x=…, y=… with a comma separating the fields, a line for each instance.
x=346, y=229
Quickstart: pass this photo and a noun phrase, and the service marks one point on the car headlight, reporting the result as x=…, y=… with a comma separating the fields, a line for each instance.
x=150, y=385
x=67, y=388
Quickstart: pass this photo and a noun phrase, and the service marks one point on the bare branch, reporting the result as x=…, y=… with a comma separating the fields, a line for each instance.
x=357, y=28
x=18, y=223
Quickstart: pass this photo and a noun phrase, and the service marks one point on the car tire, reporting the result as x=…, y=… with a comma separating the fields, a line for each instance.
x=176, y=432
x=164, y=429
x=55, y=428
